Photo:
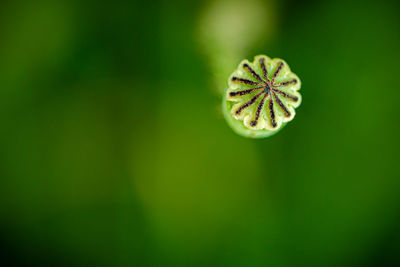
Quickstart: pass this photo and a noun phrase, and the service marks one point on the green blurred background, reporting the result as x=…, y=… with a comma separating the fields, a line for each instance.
x=114, y=152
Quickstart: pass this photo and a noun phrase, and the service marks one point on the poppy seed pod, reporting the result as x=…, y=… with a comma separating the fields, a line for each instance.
x=261, y=97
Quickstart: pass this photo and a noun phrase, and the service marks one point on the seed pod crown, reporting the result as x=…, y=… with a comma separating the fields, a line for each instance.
x=261, y=97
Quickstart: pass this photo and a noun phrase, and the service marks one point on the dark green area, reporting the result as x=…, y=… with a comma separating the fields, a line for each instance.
x=114, y=150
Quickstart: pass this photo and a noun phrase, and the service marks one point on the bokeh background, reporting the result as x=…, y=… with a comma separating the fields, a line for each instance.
x=114, y=152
